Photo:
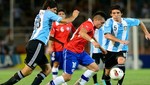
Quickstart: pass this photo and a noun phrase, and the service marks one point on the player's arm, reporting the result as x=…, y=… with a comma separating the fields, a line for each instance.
x=72, y=18
x=83, y=34
x=102, y=49
x=143, y=27
x=50, y=46
x=114, y=39
x=56, y=40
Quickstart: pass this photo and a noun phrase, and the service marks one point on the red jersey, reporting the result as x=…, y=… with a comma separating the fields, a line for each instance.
x=62, y=33
x=77, y=43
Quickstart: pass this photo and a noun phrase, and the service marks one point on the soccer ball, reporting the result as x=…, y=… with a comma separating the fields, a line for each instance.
x=116, y=73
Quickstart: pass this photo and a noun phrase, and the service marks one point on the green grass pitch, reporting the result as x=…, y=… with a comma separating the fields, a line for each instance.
x=133, y=77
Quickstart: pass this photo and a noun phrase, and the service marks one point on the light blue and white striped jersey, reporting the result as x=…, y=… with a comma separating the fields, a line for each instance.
x=120, y=31
x=42, y=25
x=99, y=36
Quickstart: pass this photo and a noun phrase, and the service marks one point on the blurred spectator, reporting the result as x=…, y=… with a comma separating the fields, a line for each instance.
x=17, y=15
x=145, y=11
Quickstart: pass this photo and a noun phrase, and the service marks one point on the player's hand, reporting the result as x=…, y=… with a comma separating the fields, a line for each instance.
x=147, y=36
x=96, y=45
x=49, y=50
x=124, y=42
x=75, y=13
x=104, y=52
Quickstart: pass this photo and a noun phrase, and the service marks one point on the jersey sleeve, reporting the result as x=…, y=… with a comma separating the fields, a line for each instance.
x=133, y=21
x=73, y=29
x=52, y=32
x=54, y=17
x=107, y=26
x=88, y=26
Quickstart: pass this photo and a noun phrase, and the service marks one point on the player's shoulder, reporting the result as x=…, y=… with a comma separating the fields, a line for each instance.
x=88, y=22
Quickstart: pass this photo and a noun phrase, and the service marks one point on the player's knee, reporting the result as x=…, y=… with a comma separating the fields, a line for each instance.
x=96, y=69
x=47, y=70
x=67, y=77
x=121, y=60
x=26, y=71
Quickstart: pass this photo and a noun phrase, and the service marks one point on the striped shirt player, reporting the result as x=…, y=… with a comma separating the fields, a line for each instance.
x=116, y=49
x=96, y=52
x=117, y=32
x=120, y=31
x=36, y=46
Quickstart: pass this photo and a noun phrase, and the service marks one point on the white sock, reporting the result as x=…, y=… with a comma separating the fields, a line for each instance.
x=59, y=80
x=87, y=74
x=54, y=72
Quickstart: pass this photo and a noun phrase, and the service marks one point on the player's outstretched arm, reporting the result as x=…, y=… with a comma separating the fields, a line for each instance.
x=143, y=27
x=72, y=18
x=114, y=39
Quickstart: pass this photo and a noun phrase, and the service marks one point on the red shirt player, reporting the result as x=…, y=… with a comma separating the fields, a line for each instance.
x=75, y=54
x=61, y=32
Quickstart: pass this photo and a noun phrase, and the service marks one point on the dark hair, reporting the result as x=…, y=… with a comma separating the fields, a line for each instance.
x=49, y=3
x=101, y=13
x=116, y=7
x=63, y=10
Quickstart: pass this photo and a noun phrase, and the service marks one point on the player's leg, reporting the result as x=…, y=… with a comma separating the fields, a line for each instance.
x=103, y=58
x=32, y=48
x=18, y=76
x=96, y=57
x=70, y=64
x=92, y=69
x=61, y=79
x=121, y=58
x=38, y=58
x=43, y=74
x=106, y=80
x=55, y=58
x=110, y=61
x=103, y=77
x=42, y=61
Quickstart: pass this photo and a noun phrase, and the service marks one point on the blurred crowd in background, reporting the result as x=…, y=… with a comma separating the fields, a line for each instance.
x=25, y=11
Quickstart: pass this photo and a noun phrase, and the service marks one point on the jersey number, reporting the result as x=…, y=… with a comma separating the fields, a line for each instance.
x=37, y=22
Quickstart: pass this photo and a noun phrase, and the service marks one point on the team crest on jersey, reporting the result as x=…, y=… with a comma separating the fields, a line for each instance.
x=115, y=27
x=125, y=27
x=62, y=29
x=68, y=28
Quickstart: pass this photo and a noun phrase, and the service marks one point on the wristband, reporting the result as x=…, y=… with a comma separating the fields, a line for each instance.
x=92, y=40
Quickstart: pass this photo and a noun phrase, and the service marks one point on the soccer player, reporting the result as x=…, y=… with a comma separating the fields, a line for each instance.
x=75, y=54
x=117, y=32
x=37, y=42
x=61, y=32
x=96, y=52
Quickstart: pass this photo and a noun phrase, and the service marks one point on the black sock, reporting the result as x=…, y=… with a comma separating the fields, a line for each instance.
x=103, y=74
x=122, y=67
x=38, y=79
x=14, y=79
x=95, y=78
x=107, y=80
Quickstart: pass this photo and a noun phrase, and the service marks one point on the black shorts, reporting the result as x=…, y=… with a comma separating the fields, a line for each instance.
x=35, y=54
x=111, y=58
x=97, y=57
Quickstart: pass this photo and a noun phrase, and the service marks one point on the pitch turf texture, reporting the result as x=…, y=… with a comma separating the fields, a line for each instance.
x=133, y=77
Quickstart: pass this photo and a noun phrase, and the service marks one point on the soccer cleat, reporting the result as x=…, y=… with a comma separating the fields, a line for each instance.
x=64, y=83
x=48, y=84
x=77, y=82
x=96, y=84
x=106, y=83
x=103, y=82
